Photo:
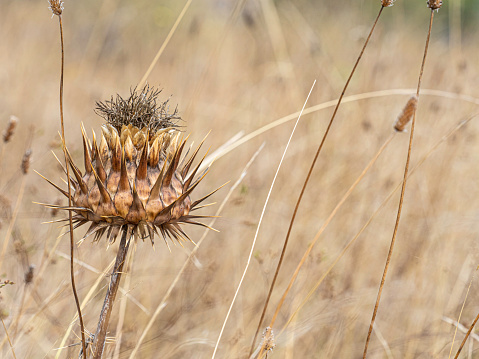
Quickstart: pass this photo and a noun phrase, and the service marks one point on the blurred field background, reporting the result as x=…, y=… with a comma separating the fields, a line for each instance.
x=231, y=69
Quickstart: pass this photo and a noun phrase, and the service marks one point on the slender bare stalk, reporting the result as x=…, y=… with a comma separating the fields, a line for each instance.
x=401, y=199
x=261, y=219
x=467, y=336
x=57, y=8
x=460, y=314
x=163, y=46
x=306, y=183
x=9, y=341
x=100, y=336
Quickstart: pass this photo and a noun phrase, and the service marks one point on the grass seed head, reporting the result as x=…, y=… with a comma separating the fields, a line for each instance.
x=27, y=158
x=387, y=3
x=406, y=114
x=434, y=4
x=8, y=133
x=268, y=342
x=135, y=176
x=56, y=7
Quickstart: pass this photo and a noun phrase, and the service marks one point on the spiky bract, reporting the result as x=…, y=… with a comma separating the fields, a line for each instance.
x=134, y=180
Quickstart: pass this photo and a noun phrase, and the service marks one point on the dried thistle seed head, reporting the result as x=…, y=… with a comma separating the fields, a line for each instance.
x=434, y=4
x=135, y=178
x=140, y=110
x=406, y=114
x=8, y=133
x=56, y=7
x=387, y=3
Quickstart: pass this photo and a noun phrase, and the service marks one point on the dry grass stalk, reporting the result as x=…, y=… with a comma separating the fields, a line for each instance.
x=406, y=114
x=469, y=331
x=305, y=184
x=56, y=6
x=401, y=199
x=8, y=337
x=8, y=133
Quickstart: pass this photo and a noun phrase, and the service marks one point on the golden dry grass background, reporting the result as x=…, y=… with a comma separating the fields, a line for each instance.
x=231, y=73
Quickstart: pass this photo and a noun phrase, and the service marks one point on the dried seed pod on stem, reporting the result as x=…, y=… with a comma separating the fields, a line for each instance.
x=26, y=160
x=434, y=4
x=387, y=3
x=406, y=114
x=8, y=133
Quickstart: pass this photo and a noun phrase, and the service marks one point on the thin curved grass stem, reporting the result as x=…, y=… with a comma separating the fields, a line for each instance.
x=381, y=206
x=70, y=222
x=260, y=221
x=84, y=303
x=346, y=99
x=162, y=304
x=8, y=337
x=401, y=199
x=460, y=315
x=165, y=43
x=320, y=231
x=308, y=176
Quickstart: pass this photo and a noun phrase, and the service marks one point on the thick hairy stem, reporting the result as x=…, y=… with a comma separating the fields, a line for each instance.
x=100, y=335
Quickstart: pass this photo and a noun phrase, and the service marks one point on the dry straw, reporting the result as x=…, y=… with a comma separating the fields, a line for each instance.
x=406, y=114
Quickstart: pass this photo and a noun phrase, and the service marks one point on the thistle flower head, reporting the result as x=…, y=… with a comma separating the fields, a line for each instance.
x=136, y=177
x=8, y=133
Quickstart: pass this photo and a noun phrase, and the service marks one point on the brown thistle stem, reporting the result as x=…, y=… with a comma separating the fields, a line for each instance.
x=304, y=187
x=401, y=199
x=70, y=223
x=100, y=335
